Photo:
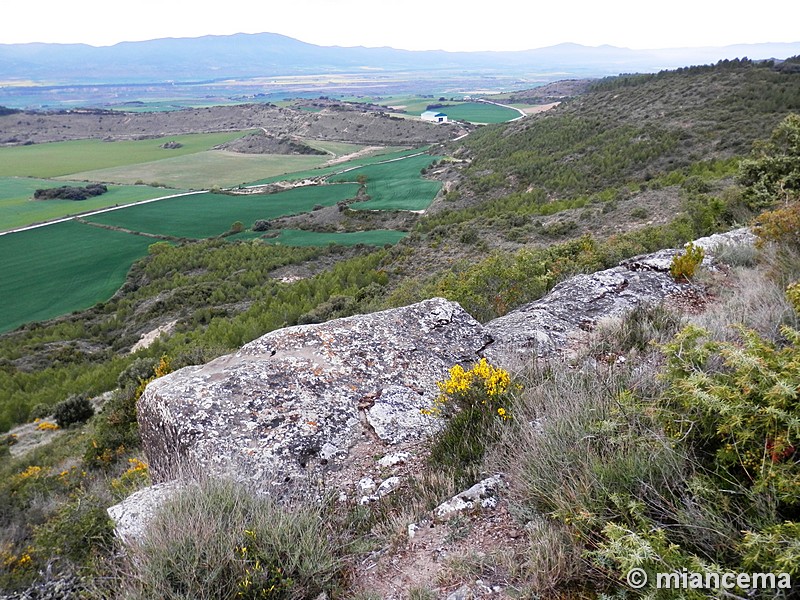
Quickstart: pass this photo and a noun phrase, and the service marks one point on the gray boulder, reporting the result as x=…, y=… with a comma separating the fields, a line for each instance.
x=296, y=401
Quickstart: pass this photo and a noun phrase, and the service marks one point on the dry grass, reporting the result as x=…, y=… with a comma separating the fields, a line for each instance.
x=217, y=539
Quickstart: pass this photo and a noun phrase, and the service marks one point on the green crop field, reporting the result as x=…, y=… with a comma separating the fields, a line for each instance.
x=478, y=112
x=375, y=237
x=337, y=148
x=53, y=270
x=386, y=154
x=206, y=169
x=395, y=185
x=66, y=158
x=207, y=215
x=18, y=208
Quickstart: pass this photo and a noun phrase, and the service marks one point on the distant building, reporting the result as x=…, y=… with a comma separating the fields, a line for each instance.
x=436, y=117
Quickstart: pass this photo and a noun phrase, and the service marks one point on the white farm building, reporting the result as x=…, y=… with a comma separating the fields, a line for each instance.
x=436, y=117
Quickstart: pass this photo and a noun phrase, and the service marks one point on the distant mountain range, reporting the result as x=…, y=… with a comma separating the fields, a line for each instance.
x=268, y=55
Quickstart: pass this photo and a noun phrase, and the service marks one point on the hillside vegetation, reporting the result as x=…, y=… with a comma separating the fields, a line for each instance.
x=635, y=467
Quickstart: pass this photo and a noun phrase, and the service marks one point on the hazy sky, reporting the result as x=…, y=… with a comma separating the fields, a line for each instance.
x=411, y=24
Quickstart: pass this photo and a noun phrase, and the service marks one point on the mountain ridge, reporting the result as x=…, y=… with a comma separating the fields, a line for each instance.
x=270, y=54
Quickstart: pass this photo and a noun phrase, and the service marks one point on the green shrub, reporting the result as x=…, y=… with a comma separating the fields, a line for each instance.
x=684, y=265
x=219, y=540
x=75, y=409
x=781, y=226
x=40, y=411
x=775, y=549
x=77, y=531
x=736, y=406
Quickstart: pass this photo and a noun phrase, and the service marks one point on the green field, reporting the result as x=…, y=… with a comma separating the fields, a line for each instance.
x=66, y=158
x=478, y=112
x=17, y=207
x=375, y=237
x=395, y=185
x=337, y=148
x=386, y=154
x=53, y=270
x=207, y=215
x=206, y=169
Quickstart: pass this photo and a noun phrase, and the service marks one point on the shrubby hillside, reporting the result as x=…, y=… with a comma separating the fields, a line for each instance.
x=637, y=164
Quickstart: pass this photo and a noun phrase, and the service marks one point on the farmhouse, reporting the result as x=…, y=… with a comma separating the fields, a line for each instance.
x=436, y=117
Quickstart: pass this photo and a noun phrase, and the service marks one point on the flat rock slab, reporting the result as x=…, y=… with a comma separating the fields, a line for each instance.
x=296, y=400
x=552, y=325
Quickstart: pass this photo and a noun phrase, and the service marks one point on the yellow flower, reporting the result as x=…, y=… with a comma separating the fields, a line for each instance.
x=32, y=471
x=46, y=426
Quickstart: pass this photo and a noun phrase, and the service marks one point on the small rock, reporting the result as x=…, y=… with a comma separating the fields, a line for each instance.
x=388, y=486
x=483, y=494
x=412, y=530
x=390, y=460
x=367, y=485
x=462, y=593
x=132, y=516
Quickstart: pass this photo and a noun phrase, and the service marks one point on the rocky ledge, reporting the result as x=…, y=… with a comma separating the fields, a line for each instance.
x=321, y=402
x=297, y=400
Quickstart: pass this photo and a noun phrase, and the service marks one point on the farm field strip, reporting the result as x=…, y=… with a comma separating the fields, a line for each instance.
x=480, y=112
x=58, y=159
x=51, y=271
x=19, y=210
x=395, y=185
x=389, y=155
x=206, y=169
x=206, y=215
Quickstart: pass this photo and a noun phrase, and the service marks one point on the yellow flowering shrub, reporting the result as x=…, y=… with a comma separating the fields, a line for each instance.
x=472, y=399
x=46, y=426
x=483, y=386
x=136, y=477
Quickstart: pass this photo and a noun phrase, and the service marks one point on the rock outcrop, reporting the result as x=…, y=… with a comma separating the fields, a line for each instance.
x=320, y=403
x=553, y=324
x=298, y=400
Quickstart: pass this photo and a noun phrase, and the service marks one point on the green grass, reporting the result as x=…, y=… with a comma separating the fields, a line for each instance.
x=337, y=148
x=65, y=158
x=375, y=237
x=207, y=215
x=17, y=207
x=389, y=154
x=205, y=169
x=53, y=270
x=478, y=112
x=395, y=185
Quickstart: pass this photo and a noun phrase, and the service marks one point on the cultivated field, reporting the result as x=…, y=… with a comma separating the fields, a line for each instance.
x=58, y=159
x=395, y=185
x=380, y=156
x=18, y=208
x=59, y=268
x=205, y=169
x=479, y=112
x=206, y=215
x=53, y=270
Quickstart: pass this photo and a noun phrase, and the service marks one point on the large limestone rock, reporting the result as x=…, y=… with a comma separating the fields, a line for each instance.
x=553, y=324
x=298, y=400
